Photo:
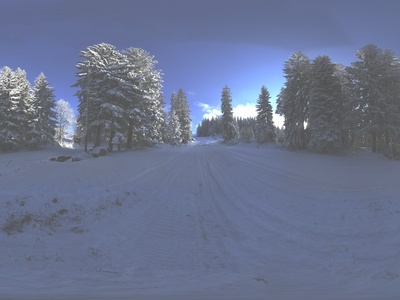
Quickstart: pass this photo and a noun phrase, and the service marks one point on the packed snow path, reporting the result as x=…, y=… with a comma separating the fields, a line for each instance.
x=205, y=221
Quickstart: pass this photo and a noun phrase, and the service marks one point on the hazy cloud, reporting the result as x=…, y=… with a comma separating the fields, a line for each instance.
x=208, y=110
x=247, y=110
x=278, y=120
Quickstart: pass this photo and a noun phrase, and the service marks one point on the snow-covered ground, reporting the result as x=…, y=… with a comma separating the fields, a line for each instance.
x=205, y=221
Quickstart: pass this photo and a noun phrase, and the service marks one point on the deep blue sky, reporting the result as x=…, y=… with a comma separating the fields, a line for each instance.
x=201, y=45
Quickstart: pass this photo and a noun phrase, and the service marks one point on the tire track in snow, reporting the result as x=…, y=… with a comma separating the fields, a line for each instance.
x=217, y=230
x=326, y=236
x=255, y=156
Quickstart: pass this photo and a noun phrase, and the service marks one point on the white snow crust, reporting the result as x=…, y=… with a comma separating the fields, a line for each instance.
x=204, y=221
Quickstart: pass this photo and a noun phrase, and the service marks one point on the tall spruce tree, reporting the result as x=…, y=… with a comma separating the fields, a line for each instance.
x=325, y=108
x=15, y=98
x=119, y=93
x=293, y=100
x=375, y=109
x=146, y=114
x=174, y=129
x=348, y=138
x=24, y=114
x=229, y=130
x=43, y=111
x=10, y=135
x=180, y=107
x=265, y=129
x=65, y=120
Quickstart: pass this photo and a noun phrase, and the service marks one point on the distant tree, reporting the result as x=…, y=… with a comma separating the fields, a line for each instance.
x=209, y=127
x=280, y=134
x=180, y=110
x=203, y=128
x=229, y=131
x=325, y=108
x=65, y=121
x=293, y=100
x=265, y=129
x=246, y=128
x=180, y=107
x=246, y=134
x=42, y=112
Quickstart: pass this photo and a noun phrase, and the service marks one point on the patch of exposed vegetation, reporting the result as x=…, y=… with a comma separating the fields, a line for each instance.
x=16, y=224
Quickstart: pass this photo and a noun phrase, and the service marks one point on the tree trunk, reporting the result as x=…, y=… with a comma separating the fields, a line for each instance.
x=387, y=139
x=374, y=147
x=129, y=135
x=110, y=140
x=97, y=138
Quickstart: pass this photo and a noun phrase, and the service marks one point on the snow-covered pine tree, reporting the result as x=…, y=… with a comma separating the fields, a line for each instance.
x=15, y=96
x=43, y=112
x=348, y=137
x=119, y=92
x=24, y=115
x=246, y=134
x=10, y=135
x=65, y=121
x=146, y=113
x=390, y=137
x=293, y=100
x=180, y=107
x=265, y=129
x=229, y=131
x=102, y=100
x=325, y=108
x=89, y=103
x=375, y=85
x=174, y=129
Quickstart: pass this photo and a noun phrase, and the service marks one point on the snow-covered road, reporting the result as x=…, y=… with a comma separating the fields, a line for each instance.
x=206, y=221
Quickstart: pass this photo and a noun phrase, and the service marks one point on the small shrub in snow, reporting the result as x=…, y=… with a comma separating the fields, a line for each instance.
x=94, y=252
x=118, y=202
x=50, y=222
x=60, y=158
x=97, y=152
x=16, y=224
x=77, y=229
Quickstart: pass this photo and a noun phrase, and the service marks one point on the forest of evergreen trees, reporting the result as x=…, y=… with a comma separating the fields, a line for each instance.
x=327, y=107
x=27, y=116
x=120, y=94
x=260, y=129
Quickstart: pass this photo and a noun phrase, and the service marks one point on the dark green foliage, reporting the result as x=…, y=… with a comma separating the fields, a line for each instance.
x=265, y=130
x=180, y=123
x=119, y=93
x=293, y=100
x=229, y=130
x=374, y=106
x=325, y=108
